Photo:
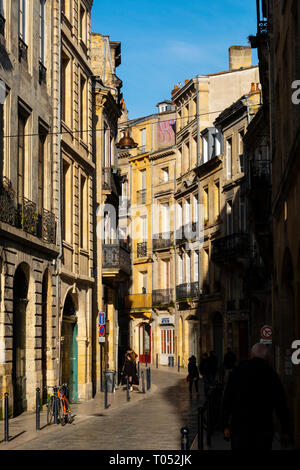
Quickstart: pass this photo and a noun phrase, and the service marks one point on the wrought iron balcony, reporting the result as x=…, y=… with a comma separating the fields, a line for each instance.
x=7, y=205
x=23, y=50
x=189, y=290
x=141, y=196
x=162, y=241
x=116, y=257
x=48, y=226
x=142, y=249
x=162, y=297
x=230, y=247
x=27, y=216
x=2, y=25
x=42, y=73
x=261, y=169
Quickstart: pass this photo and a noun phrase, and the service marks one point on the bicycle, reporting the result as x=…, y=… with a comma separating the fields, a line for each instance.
x=63, y=407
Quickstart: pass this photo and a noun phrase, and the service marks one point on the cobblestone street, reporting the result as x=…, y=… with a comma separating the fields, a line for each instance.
x=153, y=422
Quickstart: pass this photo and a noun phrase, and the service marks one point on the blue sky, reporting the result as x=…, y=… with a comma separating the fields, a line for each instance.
x=164, y=42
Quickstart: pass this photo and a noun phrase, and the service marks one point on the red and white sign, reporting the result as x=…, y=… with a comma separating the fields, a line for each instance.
x=266, y=332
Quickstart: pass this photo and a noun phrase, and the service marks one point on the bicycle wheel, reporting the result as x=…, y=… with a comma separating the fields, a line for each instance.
x=50, y=413
x=61, y=414
x=69, y=417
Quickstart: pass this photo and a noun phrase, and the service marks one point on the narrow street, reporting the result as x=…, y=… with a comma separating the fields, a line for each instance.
x=152, y=423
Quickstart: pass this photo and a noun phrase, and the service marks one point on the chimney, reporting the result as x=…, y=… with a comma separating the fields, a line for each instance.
x=175, y=89
x=239, y=57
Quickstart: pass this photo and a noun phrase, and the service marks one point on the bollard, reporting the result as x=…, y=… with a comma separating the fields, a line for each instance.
x=138, y=369
x=55, y=405
x=156, y=360
x=169, y=361
x=185, y=438
x=143, y=381
x=149, y=378
x=178, y=363
x=173, y=361
x=6, y=428
x=200, y=428
x=127, y=389
x=146, y=361
x=37, y=410
x=105, y=393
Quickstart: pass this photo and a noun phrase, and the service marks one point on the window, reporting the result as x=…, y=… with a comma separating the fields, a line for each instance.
x=179, y=215
x=107, y=162
x=83, y=24
x=143, y=140
x=143, y=179
x=205, y=267
x=218, y=143
x=243, y=222
x=165, y=174
x=144, y=228
x=187, y=212
x=205, y=205
x=83, y=213
x=195, y=210
x=229, y=158
x=41, y=166
x=67, y=202
x=241, y=152
x=180, y=270
x=166, y=274
x=217, y=199
x=229, y=218
x=65, y=90
x=22, y=20
x=187, y=268
x=165, y=218
x=196, y=266
x=167, y=340
x=204, y=149
x=42, y=31
x=144, y=281
x=83, y=124
x=22, y=156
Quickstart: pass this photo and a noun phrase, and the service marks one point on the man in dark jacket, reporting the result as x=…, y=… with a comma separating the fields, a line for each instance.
x=253, y=393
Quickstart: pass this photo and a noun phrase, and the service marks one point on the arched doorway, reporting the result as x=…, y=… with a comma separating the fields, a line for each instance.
x=69, y=354
x=44, y=335
x=218, y=337
x=145, y=343
x=20, y=301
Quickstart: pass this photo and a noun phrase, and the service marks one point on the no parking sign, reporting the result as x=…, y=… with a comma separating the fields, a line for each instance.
x=266, y=334
x=101, y=327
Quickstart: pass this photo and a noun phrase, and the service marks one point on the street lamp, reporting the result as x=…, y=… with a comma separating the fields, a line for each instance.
x=126, y=142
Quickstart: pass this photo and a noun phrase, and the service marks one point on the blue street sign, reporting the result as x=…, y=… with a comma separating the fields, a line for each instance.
x=102, y=318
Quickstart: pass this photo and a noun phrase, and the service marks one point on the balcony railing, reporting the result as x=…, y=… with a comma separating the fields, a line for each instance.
x=141, y=196
x=7, y=205
x=2, y=25
x=42, y=73
x=163, y=240
x=116, y=257
x=24, y=214
x=23, y=50
x=162, y=297
x=230, y=247
x=261, y=169
x=142, y=249
x=189, y=290
x=48, y=226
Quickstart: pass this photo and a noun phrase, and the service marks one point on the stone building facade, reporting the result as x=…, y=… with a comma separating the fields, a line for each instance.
x=28, y=214
x=277, y=40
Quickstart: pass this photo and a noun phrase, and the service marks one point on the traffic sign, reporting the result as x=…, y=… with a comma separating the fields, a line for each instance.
x=101, y=330
x=266, y=332
x=101, y=318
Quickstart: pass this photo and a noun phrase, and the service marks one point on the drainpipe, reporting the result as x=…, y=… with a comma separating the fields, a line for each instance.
x=175, y=259
x=58, y=260
x=198, y=123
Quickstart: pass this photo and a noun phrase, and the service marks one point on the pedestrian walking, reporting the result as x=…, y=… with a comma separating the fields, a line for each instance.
x=129, y=371
x=253, y=393
x=228, y=363
x=193, y=377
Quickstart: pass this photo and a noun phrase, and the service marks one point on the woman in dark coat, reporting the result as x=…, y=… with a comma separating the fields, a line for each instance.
x=193, y=374
x=129, y=370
